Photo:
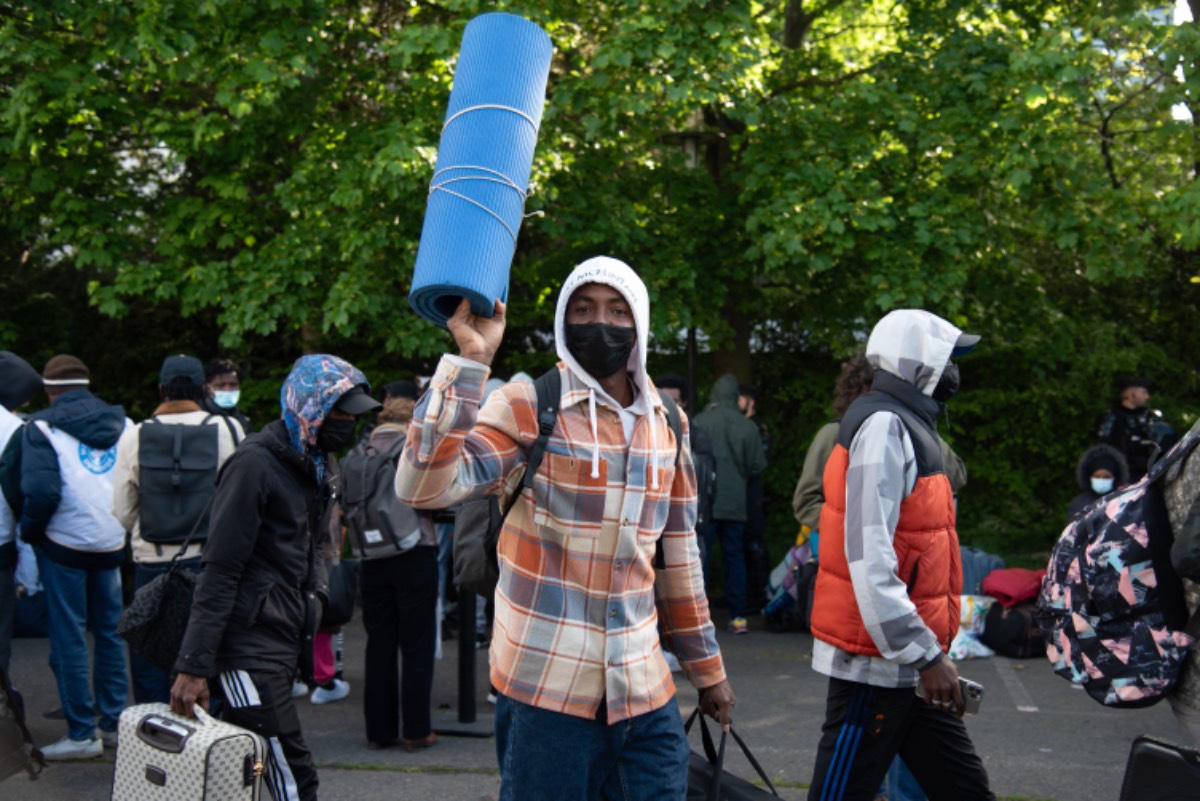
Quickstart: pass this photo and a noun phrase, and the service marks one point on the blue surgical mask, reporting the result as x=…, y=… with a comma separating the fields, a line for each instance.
x=227, y=398
x=1102, y=486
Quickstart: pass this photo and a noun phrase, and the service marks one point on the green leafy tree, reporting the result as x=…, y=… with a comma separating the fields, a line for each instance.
x=251, y=175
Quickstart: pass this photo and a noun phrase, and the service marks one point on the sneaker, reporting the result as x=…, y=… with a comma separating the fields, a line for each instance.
x=299, y=689
x=738, y=626
x=337, y=692
x=672, y=662
x=66, y=749
x=108, y=738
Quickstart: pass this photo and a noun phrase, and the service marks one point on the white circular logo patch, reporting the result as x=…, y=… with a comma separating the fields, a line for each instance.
x=97, y=461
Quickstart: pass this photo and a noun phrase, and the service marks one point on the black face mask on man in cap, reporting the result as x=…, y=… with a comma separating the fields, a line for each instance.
x=336, y=434
x=600, y=348
x=947, y=385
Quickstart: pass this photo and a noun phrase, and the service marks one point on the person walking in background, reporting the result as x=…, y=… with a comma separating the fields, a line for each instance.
x=262, y=582
x=703, y=461
x=886, y=605
x=1134, y=429
x=19, y=384
x=163, y=481
x=758, y=558
x=67, y=457
x=399, y=597
x=223, y=391
x=739, y=454
x=853, y=380
x=586, y=704
x=1101, y=470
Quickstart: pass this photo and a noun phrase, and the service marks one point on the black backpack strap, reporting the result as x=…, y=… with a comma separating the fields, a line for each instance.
x=228, y=424
x=676, y=424
x=549, y=396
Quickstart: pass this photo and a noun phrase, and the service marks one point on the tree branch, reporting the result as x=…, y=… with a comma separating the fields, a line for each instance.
x=803, y=83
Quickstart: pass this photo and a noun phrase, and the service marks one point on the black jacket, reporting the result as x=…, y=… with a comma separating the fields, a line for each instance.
x=263, y=581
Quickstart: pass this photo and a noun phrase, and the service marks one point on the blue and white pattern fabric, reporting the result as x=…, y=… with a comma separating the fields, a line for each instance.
x=316, y=383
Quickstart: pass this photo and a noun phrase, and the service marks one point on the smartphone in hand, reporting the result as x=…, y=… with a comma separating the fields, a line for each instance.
x=972, y=694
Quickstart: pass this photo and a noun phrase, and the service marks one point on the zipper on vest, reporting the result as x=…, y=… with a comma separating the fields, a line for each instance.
x=912, y=582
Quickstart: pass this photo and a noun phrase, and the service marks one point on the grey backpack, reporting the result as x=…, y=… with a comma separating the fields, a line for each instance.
x=177, y=470
x=379, y=525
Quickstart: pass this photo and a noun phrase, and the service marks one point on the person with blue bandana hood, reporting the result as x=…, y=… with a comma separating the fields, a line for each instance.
x=262, y=583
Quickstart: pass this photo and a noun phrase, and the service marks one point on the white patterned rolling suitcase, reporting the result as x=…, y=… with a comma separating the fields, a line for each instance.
x=162, y=756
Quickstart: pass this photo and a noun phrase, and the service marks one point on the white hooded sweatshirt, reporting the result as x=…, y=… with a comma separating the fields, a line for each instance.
x=621, y=277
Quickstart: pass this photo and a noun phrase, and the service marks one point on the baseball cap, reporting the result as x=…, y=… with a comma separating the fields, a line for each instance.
x=356, y=401
x=181, y=369
x=965, y=344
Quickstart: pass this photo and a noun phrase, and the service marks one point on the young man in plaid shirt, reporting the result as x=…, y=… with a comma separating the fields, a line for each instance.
x=586, y=701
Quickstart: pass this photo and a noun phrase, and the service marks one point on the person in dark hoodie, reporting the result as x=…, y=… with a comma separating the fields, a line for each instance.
x=67, y=456
x=740, y=457
x=263, y=583
x=19, y=384
x=1101, y=470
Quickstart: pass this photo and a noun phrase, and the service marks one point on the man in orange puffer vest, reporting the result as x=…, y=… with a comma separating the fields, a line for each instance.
x=887, y=596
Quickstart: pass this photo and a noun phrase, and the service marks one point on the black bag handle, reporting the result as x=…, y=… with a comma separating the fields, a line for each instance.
x=716, y=756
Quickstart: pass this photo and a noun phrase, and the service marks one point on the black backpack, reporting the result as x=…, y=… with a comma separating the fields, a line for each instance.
x=177, y=470
x=1013, y=631
x=705, y=465
x=477, y=523
x=378, y=523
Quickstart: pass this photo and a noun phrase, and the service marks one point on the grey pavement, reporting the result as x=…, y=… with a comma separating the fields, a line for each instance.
x=1039, y=737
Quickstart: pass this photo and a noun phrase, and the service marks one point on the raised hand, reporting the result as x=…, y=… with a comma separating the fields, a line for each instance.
x=478, y=338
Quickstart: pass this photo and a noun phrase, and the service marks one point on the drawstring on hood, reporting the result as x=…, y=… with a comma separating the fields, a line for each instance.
x=314, y=386
x=621, y=277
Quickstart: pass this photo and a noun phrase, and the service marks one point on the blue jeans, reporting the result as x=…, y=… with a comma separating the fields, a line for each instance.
x=546, y=754
x=733, y=561
x=79, y=600
x=149, y=683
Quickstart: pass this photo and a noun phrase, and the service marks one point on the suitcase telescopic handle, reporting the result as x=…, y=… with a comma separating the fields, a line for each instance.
x=164, y=733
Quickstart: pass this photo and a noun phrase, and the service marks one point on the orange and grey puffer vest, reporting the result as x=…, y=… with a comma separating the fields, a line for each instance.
x=925, y=540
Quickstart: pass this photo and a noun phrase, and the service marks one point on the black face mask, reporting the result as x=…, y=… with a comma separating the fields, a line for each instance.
x=601, y=349
x=948, y=384
x=336, y=435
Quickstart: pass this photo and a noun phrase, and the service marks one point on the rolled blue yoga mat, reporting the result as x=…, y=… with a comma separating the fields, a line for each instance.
x=477, y=195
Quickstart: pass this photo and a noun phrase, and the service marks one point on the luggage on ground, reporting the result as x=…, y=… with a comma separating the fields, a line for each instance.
x=976, y=565
x=1013, y=631
x=1013, y=585
x=1160, y=771
x=167, y=757
x=17, y=751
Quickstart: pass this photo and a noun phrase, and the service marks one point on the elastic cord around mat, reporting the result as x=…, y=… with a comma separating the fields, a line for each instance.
x=494, y=107
x=500, y=178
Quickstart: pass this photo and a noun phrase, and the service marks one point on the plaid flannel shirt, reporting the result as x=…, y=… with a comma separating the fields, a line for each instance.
x=579, y=604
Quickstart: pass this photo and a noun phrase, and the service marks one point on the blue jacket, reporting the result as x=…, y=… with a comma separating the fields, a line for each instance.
x=86, y=418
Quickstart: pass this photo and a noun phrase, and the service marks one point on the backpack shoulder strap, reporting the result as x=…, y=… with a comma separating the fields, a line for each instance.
x=549, y=396
x=228, y=424
x=675, y=422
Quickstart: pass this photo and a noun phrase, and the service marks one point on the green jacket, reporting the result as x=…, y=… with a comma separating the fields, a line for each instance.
x=737, y=447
